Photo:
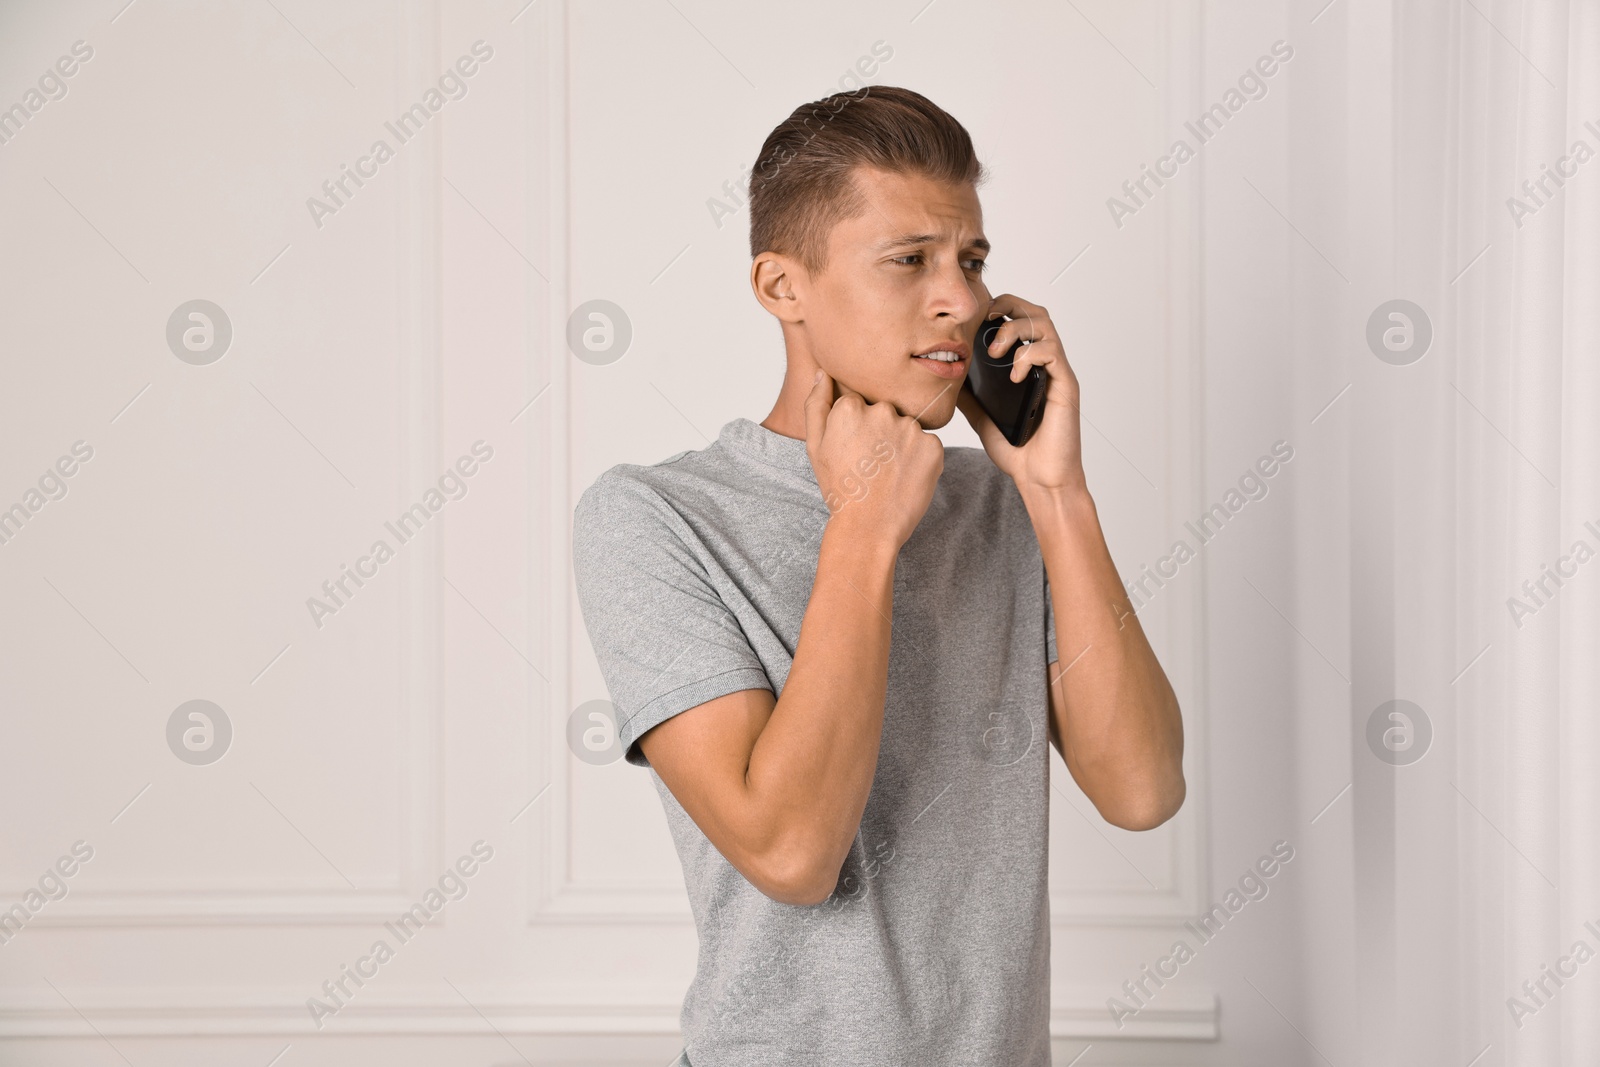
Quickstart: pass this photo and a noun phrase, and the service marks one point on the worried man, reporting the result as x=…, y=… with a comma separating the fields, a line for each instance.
x=844, y=649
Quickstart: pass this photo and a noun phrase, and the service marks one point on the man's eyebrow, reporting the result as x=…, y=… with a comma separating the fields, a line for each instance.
x=925, y=238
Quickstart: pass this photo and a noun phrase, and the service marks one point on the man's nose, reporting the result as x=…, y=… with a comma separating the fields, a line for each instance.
x=957, y=296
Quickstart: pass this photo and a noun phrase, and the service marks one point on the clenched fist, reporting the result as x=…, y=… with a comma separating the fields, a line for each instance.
x=877, y=469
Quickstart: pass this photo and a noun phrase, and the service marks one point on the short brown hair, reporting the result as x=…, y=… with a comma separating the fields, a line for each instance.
x=801, y=187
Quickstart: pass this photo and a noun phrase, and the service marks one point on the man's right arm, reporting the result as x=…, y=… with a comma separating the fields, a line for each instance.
x=779, y=787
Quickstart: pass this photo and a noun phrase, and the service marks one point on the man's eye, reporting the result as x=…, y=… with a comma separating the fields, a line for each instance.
x=980, y=265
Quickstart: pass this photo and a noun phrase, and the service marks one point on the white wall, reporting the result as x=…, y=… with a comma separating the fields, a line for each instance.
x=373, y=346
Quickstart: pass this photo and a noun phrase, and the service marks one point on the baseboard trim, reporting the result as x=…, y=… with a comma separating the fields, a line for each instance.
x=185, y=1012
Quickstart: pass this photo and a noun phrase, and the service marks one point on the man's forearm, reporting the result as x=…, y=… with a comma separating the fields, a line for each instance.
x=811, y=769
x=1119, y=723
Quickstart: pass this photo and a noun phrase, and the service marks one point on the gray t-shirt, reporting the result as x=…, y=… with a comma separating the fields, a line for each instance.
x=694, y=575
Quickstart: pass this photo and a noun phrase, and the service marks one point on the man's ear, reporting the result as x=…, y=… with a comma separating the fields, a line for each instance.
x=773, y=278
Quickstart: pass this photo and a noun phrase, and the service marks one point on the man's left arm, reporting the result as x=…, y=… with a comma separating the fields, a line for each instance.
x=1113, y=714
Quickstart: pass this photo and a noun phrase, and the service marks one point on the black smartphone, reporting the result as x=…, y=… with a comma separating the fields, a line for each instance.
x=1016, y=407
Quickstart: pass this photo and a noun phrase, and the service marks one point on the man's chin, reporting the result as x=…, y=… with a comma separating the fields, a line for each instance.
x=937, y=416
x=931, y=411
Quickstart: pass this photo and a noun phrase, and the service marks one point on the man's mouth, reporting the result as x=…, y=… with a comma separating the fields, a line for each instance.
x=948, y=351
x=947, y=360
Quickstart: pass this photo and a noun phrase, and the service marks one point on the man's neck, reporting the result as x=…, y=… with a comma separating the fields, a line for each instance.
x=788, y=415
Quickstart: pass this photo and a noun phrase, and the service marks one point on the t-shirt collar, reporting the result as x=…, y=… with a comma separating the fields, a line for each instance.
x=753, y=439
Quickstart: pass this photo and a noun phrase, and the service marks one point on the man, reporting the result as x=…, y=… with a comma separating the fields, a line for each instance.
x=834, y=641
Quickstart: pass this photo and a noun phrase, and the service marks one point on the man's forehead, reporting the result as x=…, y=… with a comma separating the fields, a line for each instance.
x=919, y=212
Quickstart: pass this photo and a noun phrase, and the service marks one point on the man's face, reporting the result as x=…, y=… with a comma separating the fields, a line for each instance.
x=903, y=276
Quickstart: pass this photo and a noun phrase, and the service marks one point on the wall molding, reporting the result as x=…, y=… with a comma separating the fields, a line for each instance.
x=1076, y=1013
x=180, y=907
x=550, y=594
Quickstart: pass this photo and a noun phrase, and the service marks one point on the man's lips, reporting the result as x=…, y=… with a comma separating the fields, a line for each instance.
x=952, y=369
x=960, y=348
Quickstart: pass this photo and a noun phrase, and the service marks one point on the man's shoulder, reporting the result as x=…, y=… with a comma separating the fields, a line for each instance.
x=628, y=489
x=654, y=498
x=623, y=524
x=622, y=502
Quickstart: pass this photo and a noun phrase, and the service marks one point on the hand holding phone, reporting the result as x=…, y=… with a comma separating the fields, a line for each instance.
x=1016, y=408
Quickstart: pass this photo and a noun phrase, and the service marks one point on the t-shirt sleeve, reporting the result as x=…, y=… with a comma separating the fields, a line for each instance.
x=1049, y=625
x=665, y=641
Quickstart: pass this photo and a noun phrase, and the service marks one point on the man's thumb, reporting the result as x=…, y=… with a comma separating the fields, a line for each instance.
x=818, y=403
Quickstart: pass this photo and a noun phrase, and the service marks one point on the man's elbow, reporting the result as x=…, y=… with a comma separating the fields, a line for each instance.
x=801, y=894
x=792, y=877
x=1151, y=810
